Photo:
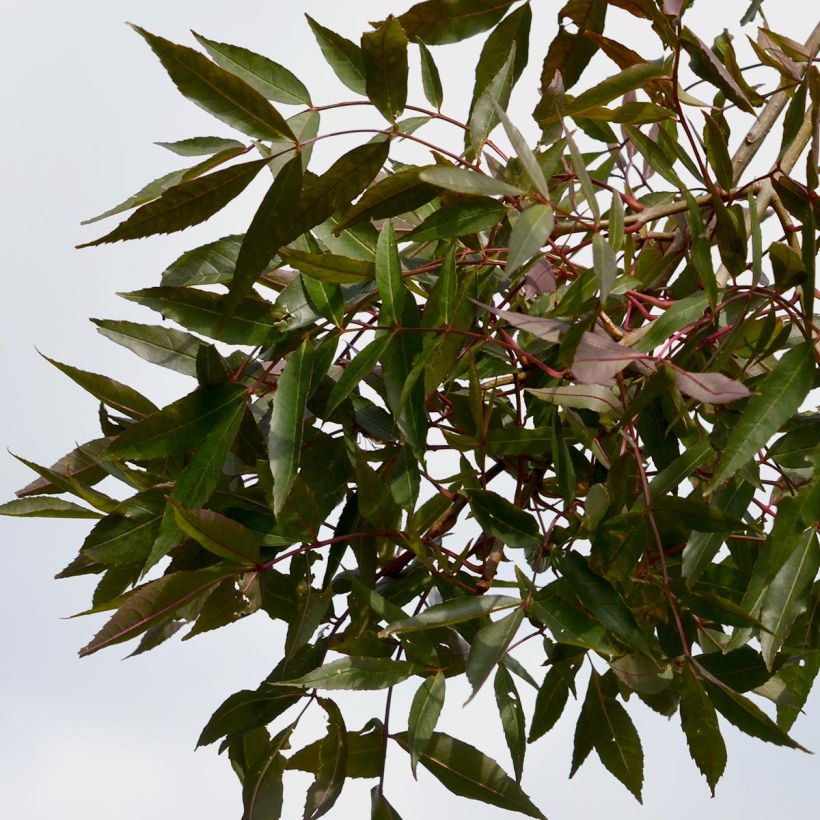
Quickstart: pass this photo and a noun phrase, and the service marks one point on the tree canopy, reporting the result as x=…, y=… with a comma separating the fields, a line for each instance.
x=517, y=391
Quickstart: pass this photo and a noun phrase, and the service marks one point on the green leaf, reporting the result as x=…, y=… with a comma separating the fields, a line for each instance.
x=529, y=162
x=179, y=426
x=462, y=181
x=287, y=422
x=504, y=520
x=343, y=56
x=262, y=789
x=631, y=78
x=700, y=725
x=570, y=52
x=511, y=712
x=604, y=263
x=459, y=219
x=325, y=298
x=430, y=79
x=45, y=507
x=330, y=771
x=550, y=702
x=641, y=674
x=360, y=366
x=437, y=22
x=269, y=229
x=717, y=153
x=590, y=397
x=747, y=717
x=582, y=173
x=200, y=146
x=270, y=79
x=488, y=646
x=682, y=313
x=465, y=771
x=424, y=714
x=654, y=155
x=787, y=595
x=529, y=234
x=364, y=753
x=779, y=397
x=384, y=53
x=252, y=322
x=705, y=63
x=126, y=535
x=614, y=736
x=218, y=534
x=81, y=465
x=451, y=612
x=163, y=346
x=356, y=673
x=330, y=267
x=381, y=809
x=483, y=117
x=152, y=603
x=395, y=194
x=340, y=184
x=186, y=204
x=389, y=276
x=218, y=91
x=604, y=602
x=212, y=263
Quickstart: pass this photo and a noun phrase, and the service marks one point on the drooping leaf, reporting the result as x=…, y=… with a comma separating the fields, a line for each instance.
x=571, y=51
x=711, y=388
x=465, y=771
x=488, y=646
x=511, y=712
x=549, y=703
x=332, y=760
x=263, y=790
x=424, y=713
x=389, y=278
x=463, y=181
x=604, y=264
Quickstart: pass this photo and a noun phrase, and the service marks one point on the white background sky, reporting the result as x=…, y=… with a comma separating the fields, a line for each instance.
x=83, y=99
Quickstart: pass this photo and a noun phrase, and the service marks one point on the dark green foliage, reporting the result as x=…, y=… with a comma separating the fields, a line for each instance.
x=621, y=413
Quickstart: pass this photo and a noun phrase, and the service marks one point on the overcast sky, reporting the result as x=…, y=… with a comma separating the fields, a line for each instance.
x=83, y=99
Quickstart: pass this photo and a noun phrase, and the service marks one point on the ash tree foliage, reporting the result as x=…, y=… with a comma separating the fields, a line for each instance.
x=553, y=394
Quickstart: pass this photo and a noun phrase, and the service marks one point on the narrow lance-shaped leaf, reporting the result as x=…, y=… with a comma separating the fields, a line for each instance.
x=452, y=612
x=424, y=713
x=503, y=519
x=218, y=91
x=430, y=79
x=270, y=79
x=330, y=772
x=270, y=227
x=343, y=56
x=528, y=159
x=355, y=372
x=356, y=673
x=604, y=263
x=463, y=181
x=384, y=52
x=153, y=603
x=263, y=790
x=467, y=772
x=778, y=398
x=629, y=79
x=488, y=646
x=218, y=534
x=287, y=422
x=483, y=117
x=437, y=22
x=700, y=725
x=511, y=712
x=389, y=276
x=45, y=507
x=530, y=233
x=184, y=205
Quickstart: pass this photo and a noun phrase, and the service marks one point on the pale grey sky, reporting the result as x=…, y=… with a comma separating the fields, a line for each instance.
x=83, y=99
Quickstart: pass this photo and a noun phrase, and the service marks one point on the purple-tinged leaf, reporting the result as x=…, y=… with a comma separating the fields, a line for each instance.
x=711, y=388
